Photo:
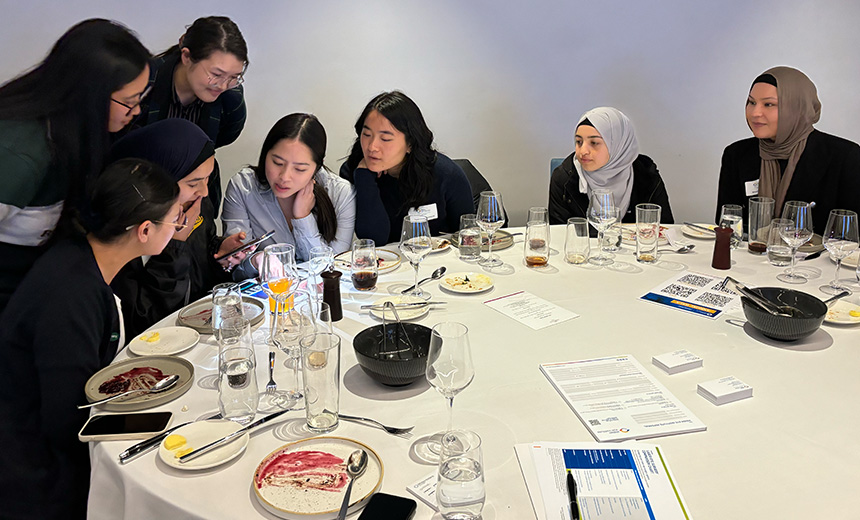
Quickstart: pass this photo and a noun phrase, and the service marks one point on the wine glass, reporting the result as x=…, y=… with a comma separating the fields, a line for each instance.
x=299, y=317
x=277, y=274
x=841, y=239
x=602, y=213
x=491, y=216
x=415, y=244
x=449, y=364
x=321, y=258
x=795, y=235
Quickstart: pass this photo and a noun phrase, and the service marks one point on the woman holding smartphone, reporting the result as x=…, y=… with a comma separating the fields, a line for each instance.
x=61, y=327
x=153, y=287
x=291, y=192
x=55, y=126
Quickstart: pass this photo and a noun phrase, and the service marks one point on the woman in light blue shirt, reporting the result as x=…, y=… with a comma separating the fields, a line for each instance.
x=291, y=192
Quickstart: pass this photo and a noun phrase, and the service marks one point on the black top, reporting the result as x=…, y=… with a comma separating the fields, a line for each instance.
x=565, y=200
x=828, y=172
x=60, y=328
x=379, y=207
x=182, y=273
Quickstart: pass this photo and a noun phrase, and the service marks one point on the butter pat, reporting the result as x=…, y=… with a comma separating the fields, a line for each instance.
x=174, y=441
x=151, y=338
x=183, y=451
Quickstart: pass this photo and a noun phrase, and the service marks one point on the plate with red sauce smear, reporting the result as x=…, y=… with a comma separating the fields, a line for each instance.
x=307, y=479
x=139, y=373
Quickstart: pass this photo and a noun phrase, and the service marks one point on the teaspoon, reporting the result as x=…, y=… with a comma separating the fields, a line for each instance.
x=355, y=466
x=160, y=386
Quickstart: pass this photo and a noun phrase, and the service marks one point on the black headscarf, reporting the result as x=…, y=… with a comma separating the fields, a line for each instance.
x=177, y=145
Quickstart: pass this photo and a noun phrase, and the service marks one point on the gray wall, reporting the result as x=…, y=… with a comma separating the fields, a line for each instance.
x=504, y=84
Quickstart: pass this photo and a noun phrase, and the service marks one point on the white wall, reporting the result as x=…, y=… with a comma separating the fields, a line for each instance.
x=504, y=84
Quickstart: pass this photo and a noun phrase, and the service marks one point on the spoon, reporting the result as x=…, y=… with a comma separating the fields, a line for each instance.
x=160, y=386
x=435, y=276
x=680, y=250
x=832, y=299
x=355, y=466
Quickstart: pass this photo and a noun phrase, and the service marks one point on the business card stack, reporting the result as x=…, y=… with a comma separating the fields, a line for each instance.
x=425, y=490
x=678, y=361
x=725, y=390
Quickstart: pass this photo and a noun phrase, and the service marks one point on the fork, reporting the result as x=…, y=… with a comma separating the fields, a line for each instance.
x=271, y=386
x=390, y=429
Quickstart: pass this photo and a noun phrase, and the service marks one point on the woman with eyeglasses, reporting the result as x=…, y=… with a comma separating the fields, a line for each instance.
x=55, y=126
x=200, y=80
x=186, y=270
x=397, y=172
x=62, y=326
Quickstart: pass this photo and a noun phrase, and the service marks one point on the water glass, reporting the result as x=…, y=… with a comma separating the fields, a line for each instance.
x=470, y=238
x=320, y=259
x=647, y=232
x=577, y=244
x=364, y=264
x=321, y=369
x=226, y=303
x=761, y=213
x=536, y=248
x=460, y=489
x=778, y=252
x=539, y=214
x=237, y=384
x=732, y=215
x=234, y=332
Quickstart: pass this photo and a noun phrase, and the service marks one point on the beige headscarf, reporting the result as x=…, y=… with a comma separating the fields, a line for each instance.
x=799, y=109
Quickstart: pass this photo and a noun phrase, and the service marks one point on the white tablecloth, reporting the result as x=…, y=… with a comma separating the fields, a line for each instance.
x=791, y=451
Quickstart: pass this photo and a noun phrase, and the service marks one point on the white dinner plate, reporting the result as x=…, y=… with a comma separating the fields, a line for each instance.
x=388, y=260
x=166, y=341
x=840, y=313
x=306, y=479
x=698, y=233
x=156, y=366
x=466, y=283
x=850, y=260
x=198, y=315
x=404, y=313
x=199, y=434
x=440, y=245
x=628, y=235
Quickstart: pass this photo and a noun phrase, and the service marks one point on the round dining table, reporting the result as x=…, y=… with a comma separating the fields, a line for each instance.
x=790, y=451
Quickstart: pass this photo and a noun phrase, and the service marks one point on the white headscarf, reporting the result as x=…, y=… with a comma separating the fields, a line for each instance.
x=620, y=138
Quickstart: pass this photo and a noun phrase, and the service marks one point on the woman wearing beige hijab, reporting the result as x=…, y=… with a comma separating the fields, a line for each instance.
x=788, y=159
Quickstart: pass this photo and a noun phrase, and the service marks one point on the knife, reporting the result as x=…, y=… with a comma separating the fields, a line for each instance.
x=410, y=305
x=155, y=440
x=214, y=444
x=700, y=228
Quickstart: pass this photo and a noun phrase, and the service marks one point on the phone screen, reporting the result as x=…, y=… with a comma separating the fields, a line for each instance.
x=246, y=246
x=150, y=422
x=388, y=507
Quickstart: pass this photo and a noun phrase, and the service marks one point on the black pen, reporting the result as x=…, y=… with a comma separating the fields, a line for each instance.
x=571, y=493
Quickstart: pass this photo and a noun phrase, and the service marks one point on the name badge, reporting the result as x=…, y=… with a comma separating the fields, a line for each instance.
x=428, y=211
x=751, y=188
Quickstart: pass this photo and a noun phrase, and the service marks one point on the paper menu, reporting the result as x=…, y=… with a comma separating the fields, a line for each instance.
x=617, y=399
x=695, y=293
x=530, y=310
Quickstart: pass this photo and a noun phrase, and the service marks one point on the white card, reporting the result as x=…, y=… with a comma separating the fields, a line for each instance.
x=428, y=211
x=751, y=188
x=530, y=310
x=425, y=490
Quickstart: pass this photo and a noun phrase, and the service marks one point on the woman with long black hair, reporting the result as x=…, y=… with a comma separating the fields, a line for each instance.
x=55, y=125
x=396, y=172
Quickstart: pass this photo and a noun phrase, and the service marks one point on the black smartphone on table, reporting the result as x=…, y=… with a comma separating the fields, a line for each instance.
x=246, y=246
x=124, y=426
x=383, y=506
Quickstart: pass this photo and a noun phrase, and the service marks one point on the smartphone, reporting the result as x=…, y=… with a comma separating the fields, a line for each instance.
x=124, y=426
x=383, y=506
x=246, y=246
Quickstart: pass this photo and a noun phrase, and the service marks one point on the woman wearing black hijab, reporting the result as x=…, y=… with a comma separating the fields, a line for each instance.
x=151, y=288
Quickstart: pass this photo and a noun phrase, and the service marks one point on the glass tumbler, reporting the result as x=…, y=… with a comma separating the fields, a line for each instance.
x=237, y=384
x=460, y=489
x=577, y=244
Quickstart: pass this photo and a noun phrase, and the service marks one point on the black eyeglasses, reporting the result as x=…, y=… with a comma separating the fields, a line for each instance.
x=176, y=225
x=134, y=105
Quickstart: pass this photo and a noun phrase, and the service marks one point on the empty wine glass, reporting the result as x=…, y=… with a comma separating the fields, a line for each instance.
x=298, y=318
x=491, y=216
x=602, y=213
x=449, y=365
x=841, y=239
x=795, y=235
x=320, y=259
x=415, y=244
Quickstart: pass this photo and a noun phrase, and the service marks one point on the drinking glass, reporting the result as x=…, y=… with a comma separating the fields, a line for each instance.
x=470, y=238
x=415, y=244
x=278, y=273
x=795, y=235
x=732, y=215
x=647, y=232
x=577, y=244
x=364, y=264
x=460, y=489
x=321, y=367
x=320, y=259
x=294, y=322
x=760, y=215
x=449, y=363
x=540, y=214
x=234, y=331
x=841, y=239
x=226, y=303
x=237, y=384
x=778, y=253
x=536, y=245
x=602, y=213
x=491, y=216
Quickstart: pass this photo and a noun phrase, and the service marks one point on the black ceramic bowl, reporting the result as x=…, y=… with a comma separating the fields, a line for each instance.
x=392, y=362
x=785, y=328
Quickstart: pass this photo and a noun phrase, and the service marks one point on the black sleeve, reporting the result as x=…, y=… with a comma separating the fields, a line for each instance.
x=660, y=196
x=371, y=218
x=559, y=210
x=458, y=198
x=730, y=189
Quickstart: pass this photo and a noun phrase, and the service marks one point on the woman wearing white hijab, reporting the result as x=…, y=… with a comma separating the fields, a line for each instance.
x=606, y=156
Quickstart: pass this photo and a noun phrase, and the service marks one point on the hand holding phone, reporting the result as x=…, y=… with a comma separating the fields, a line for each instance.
x=247, y=247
